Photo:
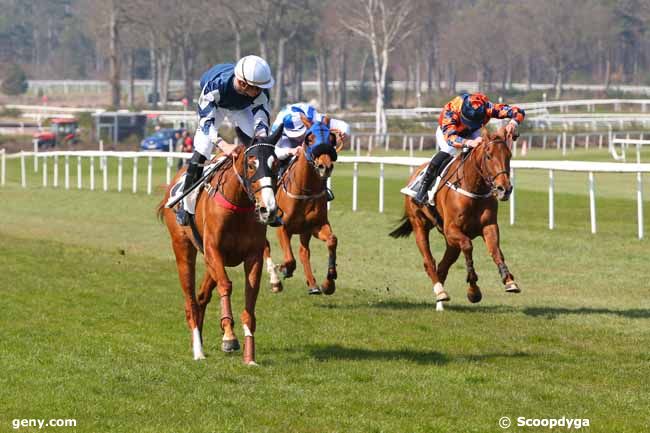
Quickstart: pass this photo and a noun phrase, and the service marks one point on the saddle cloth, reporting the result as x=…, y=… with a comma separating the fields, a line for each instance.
x=189, y=202
x=413, y=187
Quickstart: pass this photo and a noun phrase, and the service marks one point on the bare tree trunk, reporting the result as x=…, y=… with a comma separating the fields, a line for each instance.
x=279, y=73
x=480, y=77
x=187, y=67
x=261, y=38
x=529, y=73
x=608, y=69
x=418, y=78
x=114, y=57
x=166, y=63
x=131, y=66
x=236, y=28
x=430, y=71
x=153, y=62
x=343, y=59
x=362, y=74
x=407, y=85
x=558, y=83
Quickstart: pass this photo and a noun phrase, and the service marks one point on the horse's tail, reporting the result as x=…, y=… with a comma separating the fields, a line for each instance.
x=160, y=209
x=403, y=230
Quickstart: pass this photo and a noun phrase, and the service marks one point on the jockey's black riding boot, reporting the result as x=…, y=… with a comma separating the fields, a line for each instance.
x=427, y=179
x=194, y=172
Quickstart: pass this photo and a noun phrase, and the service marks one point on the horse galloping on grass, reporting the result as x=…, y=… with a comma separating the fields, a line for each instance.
x=230, y=228
x=465, y=207
x=302, y=196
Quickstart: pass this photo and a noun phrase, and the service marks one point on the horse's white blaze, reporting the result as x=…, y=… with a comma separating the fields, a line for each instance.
x=273, y=274
x=267, y=194
x=437, y=288
x=247, y=331
x=197, y=348
x=270, y=161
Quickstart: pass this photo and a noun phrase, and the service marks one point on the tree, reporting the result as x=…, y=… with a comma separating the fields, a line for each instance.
x=15, y=82
x=384, y=26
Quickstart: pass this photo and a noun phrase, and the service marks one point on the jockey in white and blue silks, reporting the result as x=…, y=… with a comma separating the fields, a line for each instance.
x=239, y=92
x=294, y=130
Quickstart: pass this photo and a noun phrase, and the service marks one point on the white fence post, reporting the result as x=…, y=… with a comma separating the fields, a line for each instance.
x=66, y=171
x=411, y=153
x=355, y=184
x=120, y=170
x=45, y=171
x=168, y=171
x=551, y=210
x=3, y=178
x=23, y=170
x=79, y=174
x=105, y=173
x=55, y=174
x=512, y=196
x=92, y=173
x=35, y=142
x=329, y=186
x=639, y=204
x=149, y=175
x=564, y=143
x=592, y=202
x=135, y=174
x=381, y=187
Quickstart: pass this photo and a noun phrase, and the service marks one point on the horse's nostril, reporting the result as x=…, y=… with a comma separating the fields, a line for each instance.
x=263, y=211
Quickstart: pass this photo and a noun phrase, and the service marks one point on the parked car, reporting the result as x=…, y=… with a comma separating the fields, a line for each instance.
x=160, y=140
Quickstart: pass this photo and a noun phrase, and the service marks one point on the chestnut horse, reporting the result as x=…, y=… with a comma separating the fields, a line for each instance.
x=231, y=218
x=465, y=207
x=302, y=196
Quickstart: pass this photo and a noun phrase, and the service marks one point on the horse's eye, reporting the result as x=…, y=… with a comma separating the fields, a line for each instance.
x=488, y=156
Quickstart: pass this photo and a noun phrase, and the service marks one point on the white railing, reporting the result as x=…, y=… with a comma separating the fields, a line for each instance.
x=625, y=143
x=550, y=166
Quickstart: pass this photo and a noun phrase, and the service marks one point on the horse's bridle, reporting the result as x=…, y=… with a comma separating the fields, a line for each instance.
x=488, y=179
x=248, y=182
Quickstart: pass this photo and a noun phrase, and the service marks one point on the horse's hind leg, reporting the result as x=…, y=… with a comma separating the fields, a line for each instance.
x=274, y=278
x=186, y=262
x=289, y=265
x=305, y=255
x=450, y=257
x=491, y=237
x=325, y=234
x=422, y=240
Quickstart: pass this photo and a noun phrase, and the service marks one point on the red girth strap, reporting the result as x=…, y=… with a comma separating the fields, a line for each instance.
x=221, y=201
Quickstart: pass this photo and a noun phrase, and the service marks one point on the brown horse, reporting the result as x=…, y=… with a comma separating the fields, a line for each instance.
x=231, y=218
x=302, y=196
x=466, y=207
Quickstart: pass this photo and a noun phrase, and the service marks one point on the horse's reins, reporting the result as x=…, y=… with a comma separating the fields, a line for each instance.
x=287, y=179
x=245, y=181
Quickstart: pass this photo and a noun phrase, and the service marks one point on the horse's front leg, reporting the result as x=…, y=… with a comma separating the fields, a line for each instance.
x=274, y=278
x=289, y=265
x=253, y=273
x=305, y=255
x=217, y=270
x=186, y=264
x=491, y=238
x=422, y=241
x=458, y=239
x=325, y=234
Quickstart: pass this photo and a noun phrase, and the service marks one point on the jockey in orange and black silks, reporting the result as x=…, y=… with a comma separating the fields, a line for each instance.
x=459, y=127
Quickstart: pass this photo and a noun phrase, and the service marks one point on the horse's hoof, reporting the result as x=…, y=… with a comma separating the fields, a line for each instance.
x=199, y=357
x=328, y=287
x=286, y=273
x=277, y=287
x=229, y=346
x=512, y=287
x=251, y=364
x=475, y=297
x=314, y=291
x=442, y=297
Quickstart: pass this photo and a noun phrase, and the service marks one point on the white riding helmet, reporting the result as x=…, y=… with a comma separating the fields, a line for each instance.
x=254, y=70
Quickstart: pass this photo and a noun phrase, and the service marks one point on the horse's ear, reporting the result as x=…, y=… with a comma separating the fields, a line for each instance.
x=275, y=137
x=501, y=134
x=485, y=134
x=305, y=121
x=245, y=139
x=340, y=139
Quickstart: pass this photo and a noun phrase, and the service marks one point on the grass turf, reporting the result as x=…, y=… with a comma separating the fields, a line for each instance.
x=93, y=325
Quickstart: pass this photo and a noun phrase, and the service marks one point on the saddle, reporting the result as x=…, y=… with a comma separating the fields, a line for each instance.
x=413, y=187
